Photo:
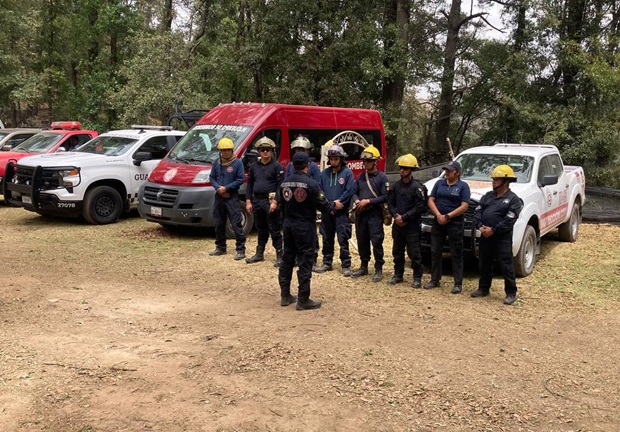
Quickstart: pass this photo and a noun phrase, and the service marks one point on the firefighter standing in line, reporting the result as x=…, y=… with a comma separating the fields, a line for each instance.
x=227, y=177
x=337, y=184
x=300, y=197
x=370, y=192
x=448, y=201
x=301, y=144
x=495, y=217
x=407, y=203
x=264, y=178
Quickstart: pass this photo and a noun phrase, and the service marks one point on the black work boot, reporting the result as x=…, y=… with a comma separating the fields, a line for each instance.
x=239, y=255
x=218, y=252
x=346, y=271
x=278, y=262
x=510, y=298
x=431, y=285
x=378, y=275
x=287, y=300
x=308, y=304
x=417, y=282
x=479, y=293
x=456, y=289
x=362, y=271
x=323, y=268
x=396, y=279
x=258, y=256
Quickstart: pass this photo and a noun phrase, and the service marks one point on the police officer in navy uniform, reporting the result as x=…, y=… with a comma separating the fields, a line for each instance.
x=495, y=217
x=407, y=203
x=337, y=184
x=227, y=177
x=369, y=213
x=264, y=178
x=299, y=197
x=448, y=201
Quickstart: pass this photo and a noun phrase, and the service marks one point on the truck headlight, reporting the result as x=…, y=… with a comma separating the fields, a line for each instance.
x=202, y=176
x=69, y=177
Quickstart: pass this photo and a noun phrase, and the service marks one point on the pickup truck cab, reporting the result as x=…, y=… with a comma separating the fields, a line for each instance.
x=553, y=197
x=63, y=136
x=13, y=137
x=98, y=181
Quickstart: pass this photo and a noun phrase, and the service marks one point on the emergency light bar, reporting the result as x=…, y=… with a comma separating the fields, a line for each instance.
x=67, y=125
x=149, y=127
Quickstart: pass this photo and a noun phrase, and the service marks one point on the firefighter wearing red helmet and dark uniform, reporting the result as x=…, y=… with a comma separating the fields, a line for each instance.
x=300, y=197
x=407, y=203
x=370, y=192
x=495, y=217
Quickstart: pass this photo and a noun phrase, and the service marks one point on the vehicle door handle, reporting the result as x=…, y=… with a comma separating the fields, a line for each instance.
x=555, y=193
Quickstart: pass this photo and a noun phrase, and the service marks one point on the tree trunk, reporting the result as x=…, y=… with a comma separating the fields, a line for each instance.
x=167, y=15
x=397, y=14
x=441, y=152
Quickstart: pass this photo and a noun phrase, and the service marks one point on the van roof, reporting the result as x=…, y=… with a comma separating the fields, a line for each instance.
x=251, y=114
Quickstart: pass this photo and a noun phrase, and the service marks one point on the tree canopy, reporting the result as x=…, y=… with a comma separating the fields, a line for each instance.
x=551, y=77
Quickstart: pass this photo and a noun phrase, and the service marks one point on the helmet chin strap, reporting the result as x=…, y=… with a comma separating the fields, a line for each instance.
x=500, y=185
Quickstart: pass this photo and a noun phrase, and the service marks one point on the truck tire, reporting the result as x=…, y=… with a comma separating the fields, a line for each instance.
x=247, y=222
x=103, y=205
x=526, y=258
x=569, y=230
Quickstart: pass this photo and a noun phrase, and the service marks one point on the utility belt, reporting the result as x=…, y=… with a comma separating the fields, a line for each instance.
x=270, y=196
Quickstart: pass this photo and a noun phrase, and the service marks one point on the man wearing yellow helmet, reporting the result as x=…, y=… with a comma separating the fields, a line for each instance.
x=370, y=193
x=495, y=217
x=227, y=177
x=407, y=203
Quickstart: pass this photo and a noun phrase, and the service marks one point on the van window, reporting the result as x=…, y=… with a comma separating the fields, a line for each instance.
x=200, y=143
x=318, y=137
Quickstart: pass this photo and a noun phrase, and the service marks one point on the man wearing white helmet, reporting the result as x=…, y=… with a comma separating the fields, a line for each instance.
x=337, y=184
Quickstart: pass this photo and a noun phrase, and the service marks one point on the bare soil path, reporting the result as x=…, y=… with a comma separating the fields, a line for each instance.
x=129, y=327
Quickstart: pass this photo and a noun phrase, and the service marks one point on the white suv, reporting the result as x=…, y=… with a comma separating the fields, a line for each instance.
x=98, y=181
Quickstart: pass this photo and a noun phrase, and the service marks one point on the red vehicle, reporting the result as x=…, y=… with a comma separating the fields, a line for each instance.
x=63, y=136
x=178, y=191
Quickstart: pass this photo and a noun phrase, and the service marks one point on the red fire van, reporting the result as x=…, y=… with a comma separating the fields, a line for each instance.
x=178, y=191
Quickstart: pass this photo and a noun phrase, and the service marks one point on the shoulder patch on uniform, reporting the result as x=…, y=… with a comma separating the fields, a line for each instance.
x=300, y=195
x=286, y=194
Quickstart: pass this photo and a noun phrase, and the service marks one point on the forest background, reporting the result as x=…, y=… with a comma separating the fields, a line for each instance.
x=551, y=76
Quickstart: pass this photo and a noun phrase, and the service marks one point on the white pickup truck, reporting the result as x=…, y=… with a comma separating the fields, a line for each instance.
x=98, y=181
x=553, y=197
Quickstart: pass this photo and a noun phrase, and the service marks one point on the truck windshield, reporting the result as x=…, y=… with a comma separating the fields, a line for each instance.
x=108, y=145
x=479, y=166
x=200, y=143
x=40, y=143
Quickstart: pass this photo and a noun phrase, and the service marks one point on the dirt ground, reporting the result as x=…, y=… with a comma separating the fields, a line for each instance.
x=129, y=327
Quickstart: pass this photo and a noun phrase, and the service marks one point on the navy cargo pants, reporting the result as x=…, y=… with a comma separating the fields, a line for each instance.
x=337, y=225
x=407, y=238
x=299, y=239
x=369, y=230
x=228, y=208
x=497, y=247
x=267, y=223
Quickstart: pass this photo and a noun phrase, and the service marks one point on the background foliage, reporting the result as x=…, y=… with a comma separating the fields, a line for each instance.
x=550, y=77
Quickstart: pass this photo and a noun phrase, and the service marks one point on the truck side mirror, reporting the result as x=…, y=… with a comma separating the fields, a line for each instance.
x=61, y=149
x=549, y=179
x=140, y=157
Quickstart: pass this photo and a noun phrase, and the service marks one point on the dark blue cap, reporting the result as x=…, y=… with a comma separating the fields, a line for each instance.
x=452, y=165
x=300, y=158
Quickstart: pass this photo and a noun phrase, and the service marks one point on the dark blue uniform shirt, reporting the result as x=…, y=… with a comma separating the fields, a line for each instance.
x=498, y=213
x=263, y=179
x=407, y=200
x=300, y=197
x=380, y=185
x=448, y=198
x=231, y=176
x=338, y=186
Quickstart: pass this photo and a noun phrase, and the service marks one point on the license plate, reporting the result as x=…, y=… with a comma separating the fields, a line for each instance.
x=156, y=211
x=26, y=199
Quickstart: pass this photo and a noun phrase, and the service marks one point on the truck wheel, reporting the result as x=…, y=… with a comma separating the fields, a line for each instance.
x=526, y=258
x=103, y=205
x=569, y=230
x=247, y=222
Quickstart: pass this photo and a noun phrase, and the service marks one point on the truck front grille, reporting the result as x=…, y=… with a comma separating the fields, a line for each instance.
x=160, y=196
